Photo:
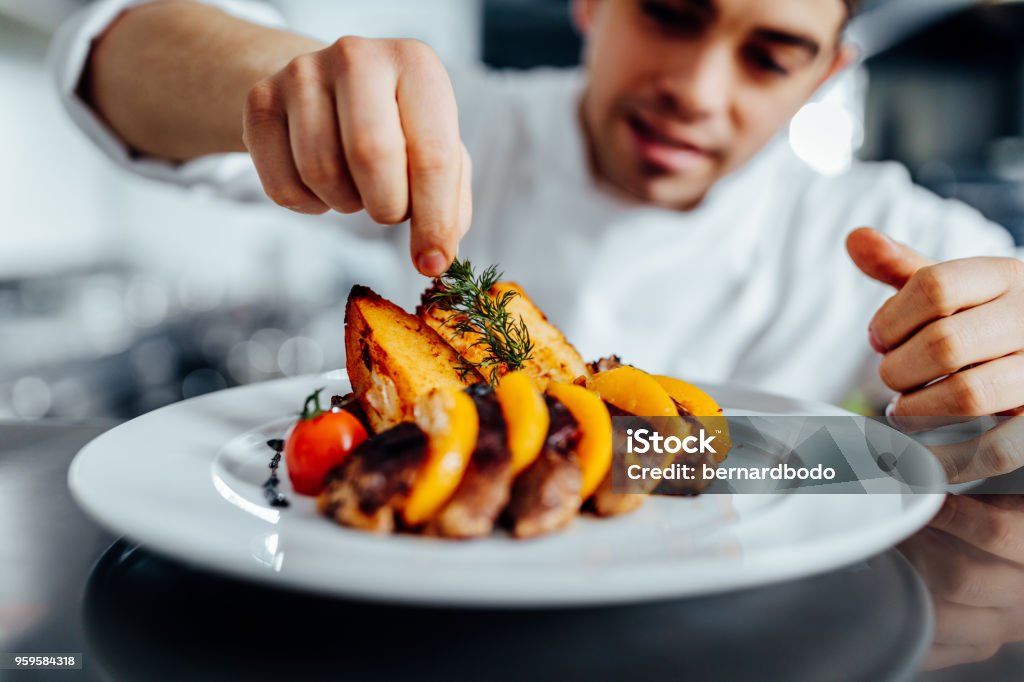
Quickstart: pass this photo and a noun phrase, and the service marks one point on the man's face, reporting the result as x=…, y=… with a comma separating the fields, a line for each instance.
x=682, y=92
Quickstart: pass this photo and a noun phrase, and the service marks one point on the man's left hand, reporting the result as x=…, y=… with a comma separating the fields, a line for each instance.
x=953, y=334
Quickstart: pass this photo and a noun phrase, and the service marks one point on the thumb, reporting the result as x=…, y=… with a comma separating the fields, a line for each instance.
x=883, y=259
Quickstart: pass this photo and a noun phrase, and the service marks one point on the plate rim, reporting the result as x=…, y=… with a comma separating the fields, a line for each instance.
x=647, y=582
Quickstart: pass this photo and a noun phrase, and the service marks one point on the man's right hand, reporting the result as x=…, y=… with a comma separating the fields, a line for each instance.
x=366, y=124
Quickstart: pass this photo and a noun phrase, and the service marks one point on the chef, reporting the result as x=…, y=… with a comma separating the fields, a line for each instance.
x=644, y=200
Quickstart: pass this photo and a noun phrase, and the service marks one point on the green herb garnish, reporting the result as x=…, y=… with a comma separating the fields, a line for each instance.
x=476, y=312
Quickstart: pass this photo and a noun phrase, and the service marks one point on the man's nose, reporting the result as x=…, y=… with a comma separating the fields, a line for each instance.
x=699, y=83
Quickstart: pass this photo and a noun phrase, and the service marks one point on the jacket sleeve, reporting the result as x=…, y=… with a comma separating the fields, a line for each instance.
x=230, y=175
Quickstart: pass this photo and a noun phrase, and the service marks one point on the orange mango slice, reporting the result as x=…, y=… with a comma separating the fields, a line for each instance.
x=703, y=407
x=692, y=399
x=594, y=450
x=449, y=419
x=634, y=391
x=526, y=418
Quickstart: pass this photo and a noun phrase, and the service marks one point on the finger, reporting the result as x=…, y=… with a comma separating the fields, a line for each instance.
x=465, y=194
x=947, y=655
x=937, y=291
x=927, y=550
x=959, y=624
x=1013, y=622
x=972, y=577
x=372, y=137
x=949, y=344
x=992, y=529
x=316, y=145
x=998, y=451
x=265, y=135
x=930, y=423
x=989, y=388
x=957, y=572
x=430, y=121
x=882, y=259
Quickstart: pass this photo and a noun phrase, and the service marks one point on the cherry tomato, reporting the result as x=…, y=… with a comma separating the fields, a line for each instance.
x=319, y=441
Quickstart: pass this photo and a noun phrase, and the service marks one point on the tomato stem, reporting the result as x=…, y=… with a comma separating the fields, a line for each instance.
x=316, y=410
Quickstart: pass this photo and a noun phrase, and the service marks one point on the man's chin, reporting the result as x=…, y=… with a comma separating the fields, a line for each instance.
x=674, y=194
x=631, y=178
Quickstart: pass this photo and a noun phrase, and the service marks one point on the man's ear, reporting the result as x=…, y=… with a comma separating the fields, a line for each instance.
x=583, y=15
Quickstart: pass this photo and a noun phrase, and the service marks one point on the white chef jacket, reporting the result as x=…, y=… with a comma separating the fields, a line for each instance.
x=753, y=287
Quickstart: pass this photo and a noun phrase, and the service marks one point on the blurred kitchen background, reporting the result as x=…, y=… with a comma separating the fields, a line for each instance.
x=119, y=295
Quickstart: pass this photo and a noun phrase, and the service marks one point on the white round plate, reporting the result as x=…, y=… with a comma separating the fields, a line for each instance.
x=185, y=481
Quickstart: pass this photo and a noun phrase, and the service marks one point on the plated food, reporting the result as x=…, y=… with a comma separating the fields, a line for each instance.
x=479, y=414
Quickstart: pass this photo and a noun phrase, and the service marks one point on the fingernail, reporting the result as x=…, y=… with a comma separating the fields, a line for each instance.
x=891, y=417
x=876, y=345
x=890, y=409
x=431, y=263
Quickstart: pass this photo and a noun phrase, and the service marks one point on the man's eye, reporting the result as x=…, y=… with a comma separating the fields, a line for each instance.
x=763, y=61
x=670, y=17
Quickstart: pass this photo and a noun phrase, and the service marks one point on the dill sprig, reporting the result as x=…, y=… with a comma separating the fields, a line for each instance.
x=475, y=312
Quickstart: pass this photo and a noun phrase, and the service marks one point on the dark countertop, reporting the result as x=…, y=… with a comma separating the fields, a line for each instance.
x=68, y=586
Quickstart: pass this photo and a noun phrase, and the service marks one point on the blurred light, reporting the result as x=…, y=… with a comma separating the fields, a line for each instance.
x=300, y=355
x=101, y=312
x=822, y=135
x=146, y=302
x=218, y=340
x=9, y=302
x=71, y=399
x=155, y=361
x=40, y=296
x=271, y=339
x=202, y=381
x=200, y=294
x=30, y=398
x=6, y=408
x=156, y=398
x=249, y=361
x=936, y=172
x=328, y=331
x=1006, y=158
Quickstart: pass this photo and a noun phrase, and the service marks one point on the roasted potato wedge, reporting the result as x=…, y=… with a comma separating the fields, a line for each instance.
x=554, y=358
x=394, y=358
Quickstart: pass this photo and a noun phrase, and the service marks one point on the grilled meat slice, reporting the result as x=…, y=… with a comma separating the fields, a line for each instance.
x=484, y=489
x=605, y=501
x=693, y=459
x=366, y=490
x=604, y=364
x=350, y=403
x=546, y=496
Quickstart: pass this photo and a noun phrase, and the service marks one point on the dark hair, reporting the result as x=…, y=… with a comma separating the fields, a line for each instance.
x=851, y=6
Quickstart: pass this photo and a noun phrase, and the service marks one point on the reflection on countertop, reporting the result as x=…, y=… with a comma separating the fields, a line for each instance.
x=971, y=557
x=150, y=617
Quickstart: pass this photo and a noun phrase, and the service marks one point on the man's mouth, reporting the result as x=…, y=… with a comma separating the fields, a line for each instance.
x=664, y=148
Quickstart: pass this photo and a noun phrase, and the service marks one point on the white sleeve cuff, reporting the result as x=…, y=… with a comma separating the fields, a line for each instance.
x=228, y=174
